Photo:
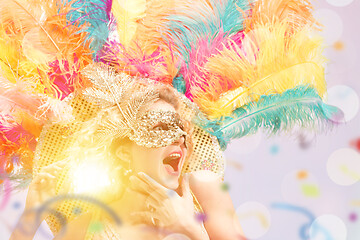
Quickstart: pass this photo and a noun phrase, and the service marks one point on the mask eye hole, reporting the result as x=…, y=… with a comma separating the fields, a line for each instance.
x=160, y=126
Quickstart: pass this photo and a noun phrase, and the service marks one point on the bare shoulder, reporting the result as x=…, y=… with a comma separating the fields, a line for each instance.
x=221, y=222
x=209, y=190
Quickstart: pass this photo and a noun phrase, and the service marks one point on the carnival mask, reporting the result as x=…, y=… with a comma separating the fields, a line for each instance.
x=158, y=129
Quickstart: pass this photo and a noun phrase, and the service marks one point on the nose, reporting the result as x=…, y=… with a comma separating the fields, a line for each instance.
x=180, y=141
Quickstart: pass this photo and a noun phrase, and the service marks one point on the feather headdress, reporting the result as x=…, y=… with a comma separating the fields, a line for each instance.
x=248, y=65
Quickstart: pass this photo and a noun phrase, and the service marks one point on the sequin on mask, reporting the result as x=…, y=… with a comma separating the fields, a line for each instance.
x=158, y=129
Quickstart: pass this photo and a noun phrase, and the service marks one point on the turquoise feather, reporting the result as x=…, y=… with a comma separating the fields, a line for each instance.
x=179, y=84
x=94, y=18
x=189, y=26
x=277, y=112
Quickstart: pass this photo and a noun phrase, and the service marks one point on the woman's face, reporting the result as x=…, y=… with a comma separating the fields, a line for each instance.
x=163, y=164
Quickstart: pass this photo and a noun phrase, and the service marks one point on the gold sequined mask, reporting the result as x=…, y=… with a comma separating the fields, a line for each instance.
x=158, y=129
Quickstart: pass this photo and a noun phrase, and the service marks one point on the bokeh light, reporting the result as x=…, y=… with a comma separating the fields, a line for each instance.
x=331, y=226
x=343, y=166
x=333, y=25
x=254, y=219
x=340, y=3
x=344, y=98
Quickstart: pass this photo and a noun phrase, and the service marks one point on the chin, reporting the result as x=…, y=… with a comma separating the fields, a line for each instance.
x=172, y=186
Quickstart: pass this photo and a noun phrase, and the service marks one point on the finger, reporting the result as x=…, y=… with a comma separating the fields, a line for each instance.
x=141, y=218
x=146, y=178
x=154, y=187
x=141, y=187
x=140, y=184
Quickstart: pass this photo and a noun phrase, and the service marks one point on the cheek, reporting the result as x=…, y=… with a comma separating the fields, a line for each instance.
x=146, y=159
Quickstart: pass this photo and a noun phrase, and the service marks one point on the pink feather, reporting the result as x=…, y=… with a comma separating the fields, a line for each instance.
x=194, y=73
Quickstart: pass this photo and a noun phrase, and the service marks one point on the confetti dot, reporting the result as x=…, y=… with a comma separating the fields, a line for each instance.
x=310, y=190
x=274, y=149
x=340, y=3
x=339, y=45
x=96, y=227
x=343, y=166
x=333, y=26
x=342, y=57
x=254, y=219
x=306, y=139
x=200, y=217
x=16, y=205
x=233, y=163
x=356, y=144
x=176, y=236
x=344, y=98
x=302, y=174
x=353, y=217
x=328, y=227
x=225, y=187
x=300, y=186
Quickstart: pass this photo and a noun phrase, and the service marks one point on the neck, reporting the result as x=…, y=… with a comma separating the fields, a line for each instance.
x=129, y=203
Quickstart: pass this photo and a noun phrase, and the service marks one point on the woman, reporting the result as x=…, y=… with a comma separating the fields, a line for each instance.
x=153, y=142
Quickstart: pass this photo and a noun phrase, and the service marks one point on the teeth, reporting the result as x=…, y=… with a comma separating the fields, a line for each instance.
x=175, y=155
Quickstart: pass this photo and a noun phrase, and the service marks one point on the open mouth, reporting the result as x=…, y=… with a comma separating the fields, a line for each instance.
x=172, y=163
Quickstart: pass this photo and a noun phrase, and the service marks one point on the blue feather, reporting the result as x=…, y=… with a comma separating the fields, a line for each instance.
x=94, y=18
x=276, y=112
x=188, y=26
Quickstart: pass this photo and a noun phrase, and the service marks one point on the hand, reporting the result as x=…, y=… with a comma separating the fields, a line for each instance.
x=166, y=209
x=43, y=186
x=41, y=189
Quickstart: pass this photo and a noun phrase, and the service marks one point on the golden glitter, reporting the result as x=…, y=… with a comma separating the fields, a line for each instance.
x=158, y=129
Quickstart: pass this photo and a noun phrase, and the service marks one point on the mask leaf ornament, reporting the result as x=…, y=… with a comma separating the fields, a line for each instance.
x=125, y=92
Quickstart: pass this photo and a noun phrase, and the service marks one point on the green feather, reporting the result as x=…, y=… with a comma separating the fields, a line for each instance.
x=300, y=106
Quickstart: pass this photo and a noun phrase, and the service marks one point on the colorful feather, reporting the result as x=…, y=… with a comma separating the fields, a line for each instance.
x=276, y=112
x=38, y=32
x=159, y=65
x=194, y=72
x=152, y=27
x=93, y=18
x=20, y=96
x=196, y=20
x=265, y=63
x=127, y=13
x=297, y=13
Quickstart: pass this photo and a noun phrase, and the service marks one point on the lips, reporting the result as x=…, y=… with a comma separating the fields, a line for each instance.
x=172, y=162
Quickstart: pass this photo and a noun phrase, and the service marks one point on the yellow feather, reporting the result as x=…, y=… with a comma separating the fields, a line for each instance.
x=150, y=31
x=266, y=63
x=127, y=13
